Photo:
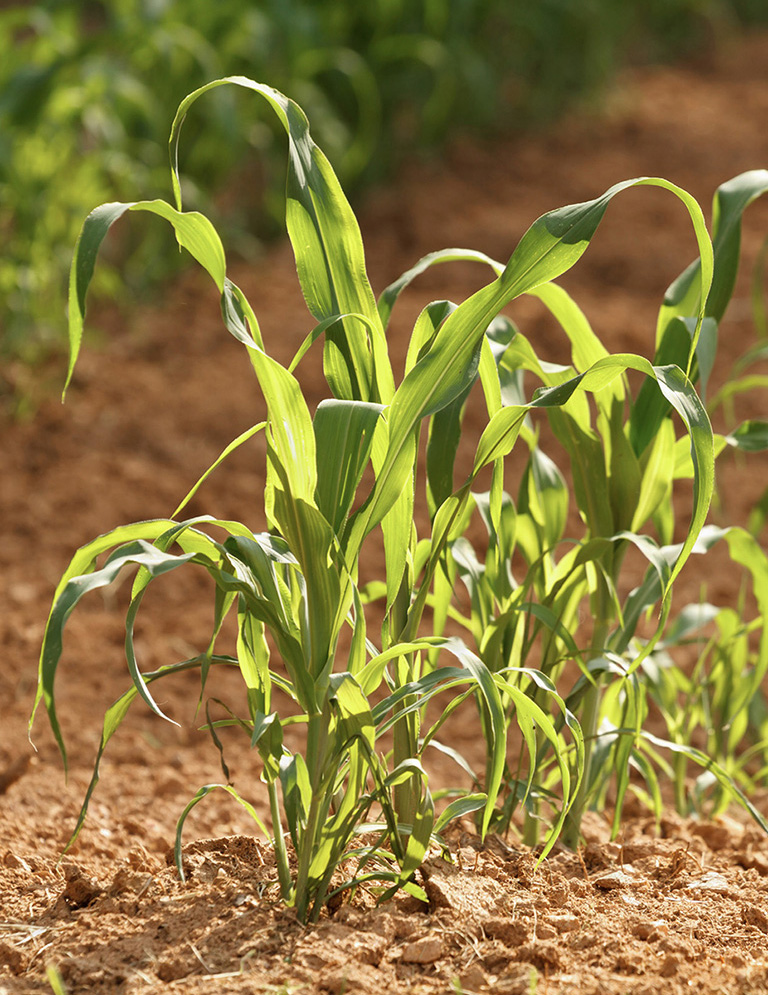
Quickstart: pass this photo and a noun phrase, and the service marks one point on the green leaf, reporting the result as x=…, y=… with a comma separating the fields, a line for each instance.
x=549, y=248
x=624, y=478
x=457, y=809
x=749, y=437
x=328, y=249
x=656, y=475
x=135, y=553
x=194, y=232
x=297, y=795
x=544, y=497
x=344, y=437
x=353, y=712
x=442, y=447
x=684, y=295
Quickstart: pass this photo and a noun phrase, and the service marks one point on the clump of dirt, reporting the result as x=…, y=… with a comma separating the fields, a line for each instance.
x=671, y=907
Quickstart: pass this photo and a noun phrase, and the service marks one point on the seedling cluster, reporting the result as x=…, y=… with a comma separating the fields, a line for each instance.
x=362, y=663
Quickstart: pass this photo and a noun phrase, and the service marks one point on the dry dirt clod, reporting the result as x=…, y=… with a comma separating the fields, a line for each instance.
x=13, y=860
x=753, y=915
x=14, y=771
x=351, y=978
x=525, y=868
x=208, y=871
x=473, y=978
x=583, y=941
x=596, y=857
x=80, y=890
x=447, y=887
x=495, y=955
x=726, y=832
x=12, y=958
x=545, y=956
x=515, y=981
x=174, y=968
x=669, y=966
x=623, y=877
x=751, y=858
x=563, y=923
x=650, y=930
x=513, y=932
x=424, y=951
x=127, y=880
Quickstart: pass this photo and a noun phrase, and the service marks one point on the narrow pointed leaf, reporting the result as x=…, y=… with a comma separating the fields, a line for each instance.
x=194, y=232
x=327, y=245
x=549, y=248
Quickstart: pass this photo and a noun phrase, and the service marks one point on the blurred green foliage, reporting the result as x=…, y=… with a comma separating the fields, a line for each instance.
x=87, y=91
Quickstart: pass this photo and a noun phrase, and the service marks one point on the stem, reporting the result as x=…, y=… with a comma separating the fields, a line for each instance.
x=590, y=714
x=317, y=734
x=680, y=766
x=406, y=747
x=531, y=821
x=591, y=709
x=405, y=732
x=281, y=854
x=531, y=827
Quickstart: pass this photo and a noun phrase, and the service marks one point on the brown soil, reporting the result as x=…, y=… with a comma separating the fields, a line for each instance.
x=680, y=909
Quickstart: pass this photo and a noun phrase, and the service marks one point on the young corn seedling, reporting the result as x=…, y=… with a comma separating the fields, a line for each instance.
x=714, y=712
x=298, y=582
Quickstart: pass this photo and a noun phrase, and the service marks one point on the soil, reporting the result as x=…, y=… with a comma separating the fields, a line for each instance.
x=673, y=907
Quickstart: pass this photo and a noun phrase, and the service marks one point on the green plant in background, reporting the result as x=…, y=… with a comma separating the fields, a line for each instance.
x=78, y=99
x=304, y=621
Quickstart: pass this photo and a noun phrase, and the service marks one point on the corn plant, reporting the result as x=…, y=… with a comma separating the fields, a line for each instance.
x=298, y=582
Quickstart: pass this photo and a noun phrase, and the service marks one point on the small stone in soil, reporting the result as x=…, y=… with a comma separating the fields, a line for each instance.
x=424, y=951
x=711, y=881
x=624, y=877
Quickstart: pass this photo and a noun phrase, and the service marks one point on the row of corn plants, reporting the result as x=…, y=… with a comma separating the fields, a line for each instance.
x=361, y=663
x=623, y=458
